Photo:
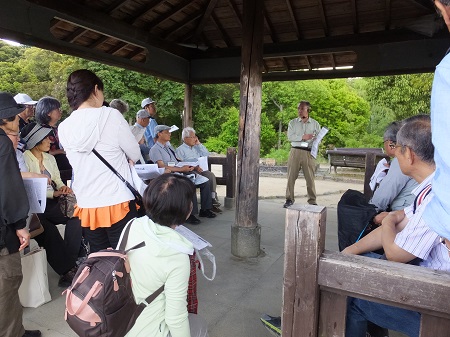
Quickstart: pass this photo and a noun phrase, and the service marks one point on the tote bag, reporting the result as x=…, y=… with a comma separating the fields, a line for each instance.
x=33, y=292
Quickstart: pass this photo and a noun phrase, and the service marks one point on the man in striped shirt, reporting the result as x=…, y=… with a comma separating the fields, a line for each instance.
x=404, y=235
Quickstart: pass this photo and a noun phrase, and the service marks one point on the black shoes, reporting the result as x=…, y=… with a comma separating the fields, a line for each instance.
x=288, y=203
x=65, y=280
x=32, y=333
x=193, y=220
x=216, y=209
x=206, y=213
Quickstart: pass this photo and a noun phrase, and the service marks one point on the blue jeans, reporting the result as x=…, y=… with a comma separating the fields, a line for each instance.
x=360, y=311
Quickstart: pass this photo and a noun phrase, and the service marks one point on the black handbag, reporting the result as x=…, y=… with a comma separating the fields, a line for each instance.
x=137, y=196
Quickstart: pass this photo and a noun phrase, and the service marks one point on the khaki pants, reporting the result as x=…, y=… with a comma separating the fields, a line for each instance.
x=10, y=307
x=301, y=159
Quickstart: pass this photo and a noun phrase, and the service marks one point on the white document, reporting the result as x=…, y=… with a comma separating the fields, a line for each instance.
x=203, y=163
x=379, y=174
x=173, y=128
x=317, y=140
x=198, y=242
x=138, y=183
x=186, y=163
x=148, y=171
x=37, y=193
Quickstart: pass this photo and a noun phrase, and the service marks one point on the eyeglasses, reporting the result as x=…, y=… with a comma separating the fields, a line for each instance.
x=391, y=144
x=442, y=240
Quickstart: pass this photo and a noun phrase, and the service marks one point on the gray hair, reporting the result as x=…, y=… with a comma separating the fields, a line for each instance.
x=120, y=105
x=186, y=132
x=445, y=2
x=416, y=134
x=391, y=131
x=43, y=107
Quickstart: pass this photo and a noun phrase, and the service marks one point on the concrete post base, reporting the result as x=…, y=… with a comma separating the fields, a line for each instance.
x=245, y=241
x=229, y=203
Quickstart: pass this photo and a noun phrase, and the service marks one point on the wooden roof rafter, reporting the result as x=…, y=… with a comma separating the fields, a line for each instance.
x=143, y=11
x=323, y=17
x=226, y=38
x=117, y=4
x=180, y=25
x=235, y=11
x=293, y=19
x=273, y=36
x=206, y=16
x=80, y=31
x=176, y=9
x=355, y=16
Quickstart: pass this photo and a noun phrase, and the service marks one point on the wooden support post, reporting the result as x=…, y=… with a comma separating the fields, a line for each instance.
x=187, y=112
x=304, y=243
x=370, y=168
x=332, y=315
x=230, y=176
x=246, y=233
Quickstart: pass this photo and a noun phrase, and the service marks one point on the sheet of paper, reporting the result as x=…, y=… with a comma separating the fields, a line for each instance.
x=197, y=241
x=173, y=128
x=186, y=163
x=148, y=171
x=317, y=140
x=138, y=183
x=36, y=189
x=203, y=163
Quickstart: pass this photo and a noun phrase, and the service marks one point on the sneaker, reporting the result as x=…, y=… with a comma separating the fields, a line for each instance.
x=216, y=209
x=206, y=213
x=288, y=203
x=193, y=220
x=216, y=202
x=273, y=324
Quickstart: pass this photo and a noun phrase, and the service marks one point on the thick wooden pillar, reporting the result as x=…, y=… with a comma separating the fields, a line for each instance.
x=246, y=233
x=187, y=112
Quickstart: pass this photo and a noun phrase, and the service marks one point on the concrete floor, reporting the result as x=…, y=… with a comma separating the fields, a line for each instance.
x=243, y=289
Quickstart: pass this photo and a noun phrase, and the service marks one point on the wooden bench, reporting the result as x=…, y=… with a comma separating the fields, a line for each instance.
x=317, y=283
x=351, y=157
x=228, y=178
x=366, y=158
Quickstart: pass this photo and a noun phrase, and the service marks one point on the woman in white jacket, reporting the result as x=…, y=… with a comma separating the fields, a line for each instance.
x=104, y=203
x=163, y=260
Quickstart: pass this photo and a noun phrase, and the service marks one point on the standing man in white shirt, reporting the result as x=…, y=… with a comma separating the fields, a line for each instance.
x=301, y=133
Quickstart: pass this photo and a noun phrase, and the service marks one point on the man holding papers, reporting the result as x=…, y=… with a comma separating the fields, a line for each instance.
x=190, y=151
x=163, y=154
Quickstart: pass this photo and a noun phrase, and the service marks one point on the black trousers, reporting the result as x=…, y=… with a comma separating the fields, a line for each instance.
x=57, y=254
x=106, y=237
x=205, y=197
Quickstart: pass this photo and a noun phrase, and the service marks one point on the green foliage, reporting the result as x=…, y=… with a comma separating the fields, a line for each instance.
x=405, y=95
x=280, y=155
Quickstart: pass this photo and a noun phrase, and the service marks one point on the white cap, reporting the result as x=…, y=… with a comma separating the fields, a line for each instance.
x=24, y=99
x=146, y=101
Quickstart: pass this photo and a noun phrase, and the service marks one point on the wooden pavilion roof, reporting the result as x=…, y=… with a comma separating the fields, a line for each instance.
x=198, y=41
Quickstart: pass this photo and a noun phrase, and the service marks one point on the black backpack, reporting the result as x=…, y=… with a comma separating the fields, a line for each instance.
x=100, y=300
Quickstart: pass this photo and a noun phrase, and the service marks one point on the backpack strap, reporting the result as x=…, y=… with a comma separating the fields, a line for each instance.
x=152, y=297
x=123, y=243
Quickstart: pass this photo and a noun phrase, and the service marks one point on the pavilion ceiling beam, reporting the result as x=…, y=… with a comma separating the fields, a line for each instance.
x=169, y=14
x=75, y=34
x=387, y=22
x=133, y=53
x=235, y=11
x=293, y=19
x=206, y=16
x=307, y=62
x=355, y=16
x=117, y=48
x=424, y=4
x=222, y=31
x=273, y=36
x=98, y=42
x=143, y=11
x=323, y=17
x=116, y=5
x=333, y=61
x=178, y=26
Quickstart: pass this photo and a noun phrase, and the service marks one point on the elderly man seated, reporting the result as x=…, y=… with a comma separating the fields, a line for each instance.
x=190, y=151
x=163, y=154
x=138, y=130
x=404, y=235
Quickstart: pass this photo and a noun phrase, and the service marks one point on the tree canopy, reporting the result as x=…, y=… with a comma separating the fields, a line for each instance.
x=355, y=110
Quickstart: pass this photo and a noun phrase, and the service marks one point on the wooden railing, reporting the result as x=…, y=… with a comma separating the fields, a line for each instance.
x=317, y=283
x=228, y=178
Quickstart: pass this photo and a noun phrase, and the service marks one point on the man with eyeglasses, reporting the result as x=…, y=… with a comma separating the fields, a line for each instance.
x=404, y=235
x=437, y=212
x=30, y=105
